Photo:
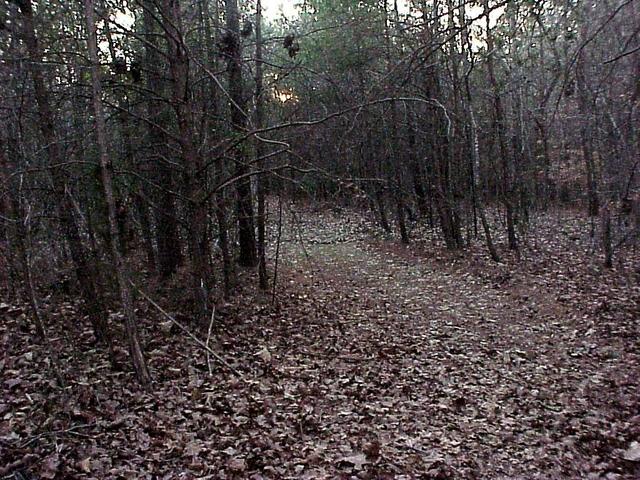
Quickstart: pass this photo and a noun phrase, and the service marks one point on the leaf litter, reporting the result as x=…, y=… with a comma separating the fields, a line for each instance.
x=377, y=361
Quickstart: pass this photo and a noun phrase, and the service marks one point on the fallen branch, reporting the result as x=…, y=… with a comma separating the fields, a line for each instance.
x=186, y=330
x=213, y=316
x=71, y=430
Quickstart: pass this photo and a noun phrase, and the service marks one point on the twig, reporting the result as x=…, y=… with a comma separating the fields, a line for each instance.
x=186, y=330
x=213, y=316
x=298, y=234
x=275, y=265
x=622, y=55
x=56, y=432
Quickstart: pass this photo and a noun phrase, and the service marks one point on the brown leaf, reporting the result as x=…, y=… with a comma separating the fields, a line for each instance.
x=50, y=466
x=237, y=465
x=84, y=465
x=265, y=355
x=357, y=461
x=632, y=453
x=372, y=450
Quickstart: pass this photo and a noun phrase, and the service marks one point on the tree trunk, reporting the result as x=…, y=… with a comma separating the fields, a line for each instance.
x=223, y=239
x=586, y=136
x=262, y=178
x=606, y=237
x=502, y=143
x=11, y=211
x=167, y=238
x=397, y=176
x=416, y=168
x=141, y=209
x=9, y=222
x=145, y=230
x=382, y=211
x=392, y=155
x=106, y=166
x=195, y=172
x=244, y=201
x=84, y=269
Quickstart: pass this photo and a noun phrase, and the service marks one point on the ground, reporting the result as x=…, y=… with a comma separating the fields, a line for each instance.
x=373, y=360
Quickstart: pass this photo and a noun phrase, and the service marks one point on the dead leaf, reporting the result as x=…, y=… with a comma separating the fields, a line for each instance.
x=357, y=461
x=193, y=448
x=84, y=465
x=50, y=465
x=237, y=465
x=265, y=355
x=632, y=453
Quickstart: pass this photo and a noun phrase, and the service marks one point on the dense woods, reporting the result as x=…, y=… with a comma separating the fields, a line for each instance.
x=181, y=179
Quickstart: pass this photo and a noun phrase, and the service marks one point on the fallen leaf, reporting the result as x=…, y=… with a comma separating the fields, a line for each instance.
x=632, y=453
x=84, y=465
x=357, y=461
x=237, y=465
x=49, y=467
x=265, y=355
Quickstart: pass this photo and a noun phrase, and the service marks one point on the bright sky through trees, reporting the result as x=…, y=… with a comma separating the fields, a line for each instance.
x=274, y=8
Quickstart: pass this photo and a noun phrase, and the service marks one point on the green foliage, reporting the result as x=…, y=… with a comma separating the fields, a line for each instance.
x=340, y=38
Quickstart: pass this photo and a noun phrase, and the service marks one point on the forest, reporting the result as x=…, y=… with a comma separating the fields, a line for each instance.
x=319, y=239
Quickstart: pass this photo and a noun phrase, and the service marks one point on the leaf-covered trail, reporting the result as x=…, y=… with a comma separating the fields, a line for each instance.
x=376, y=361
x=454, y=374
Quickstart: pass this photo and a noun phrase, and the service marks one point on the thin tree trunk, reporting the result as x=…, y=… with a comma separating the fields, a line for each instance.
x=138, y=202
x=393, y=154
x=38, y=315
x=500, y=125
x=9, y=222
x=416, y=169
x=382, y=212
x=244, y=201
x=262, y=179
x=473, y=140
x=167, y=238
x=85, y=271
x=12, y=211
x=195, y=184
x=586, y=136
x=476, y=160
x=606, y=237
x=122, y=275
x=397, y=176
x=546, y=181
x=223, y=239
x=145, y=231
x=220, y=207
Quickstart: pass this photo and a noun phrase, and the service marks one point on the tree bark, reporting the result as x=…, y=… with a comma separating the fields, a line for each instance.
x=393, y=154
x=167, y=238
x=106, y=166
x=84, y=269
x=138, y=202
x=244, y=200
x=417, y=176
x=500, y=126
x=606, y=237
x=262, y=179
x=195, y=171
x=586, y=136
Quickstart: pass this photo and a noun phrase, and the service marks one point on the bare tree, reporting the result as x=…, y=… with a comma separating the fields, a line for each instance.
x=244, y=200
x=84, y=269
x=106, y=166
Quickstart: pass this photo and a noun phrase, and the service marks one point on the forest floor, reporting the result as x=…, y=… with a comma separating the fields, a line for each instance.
x=375, y=361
